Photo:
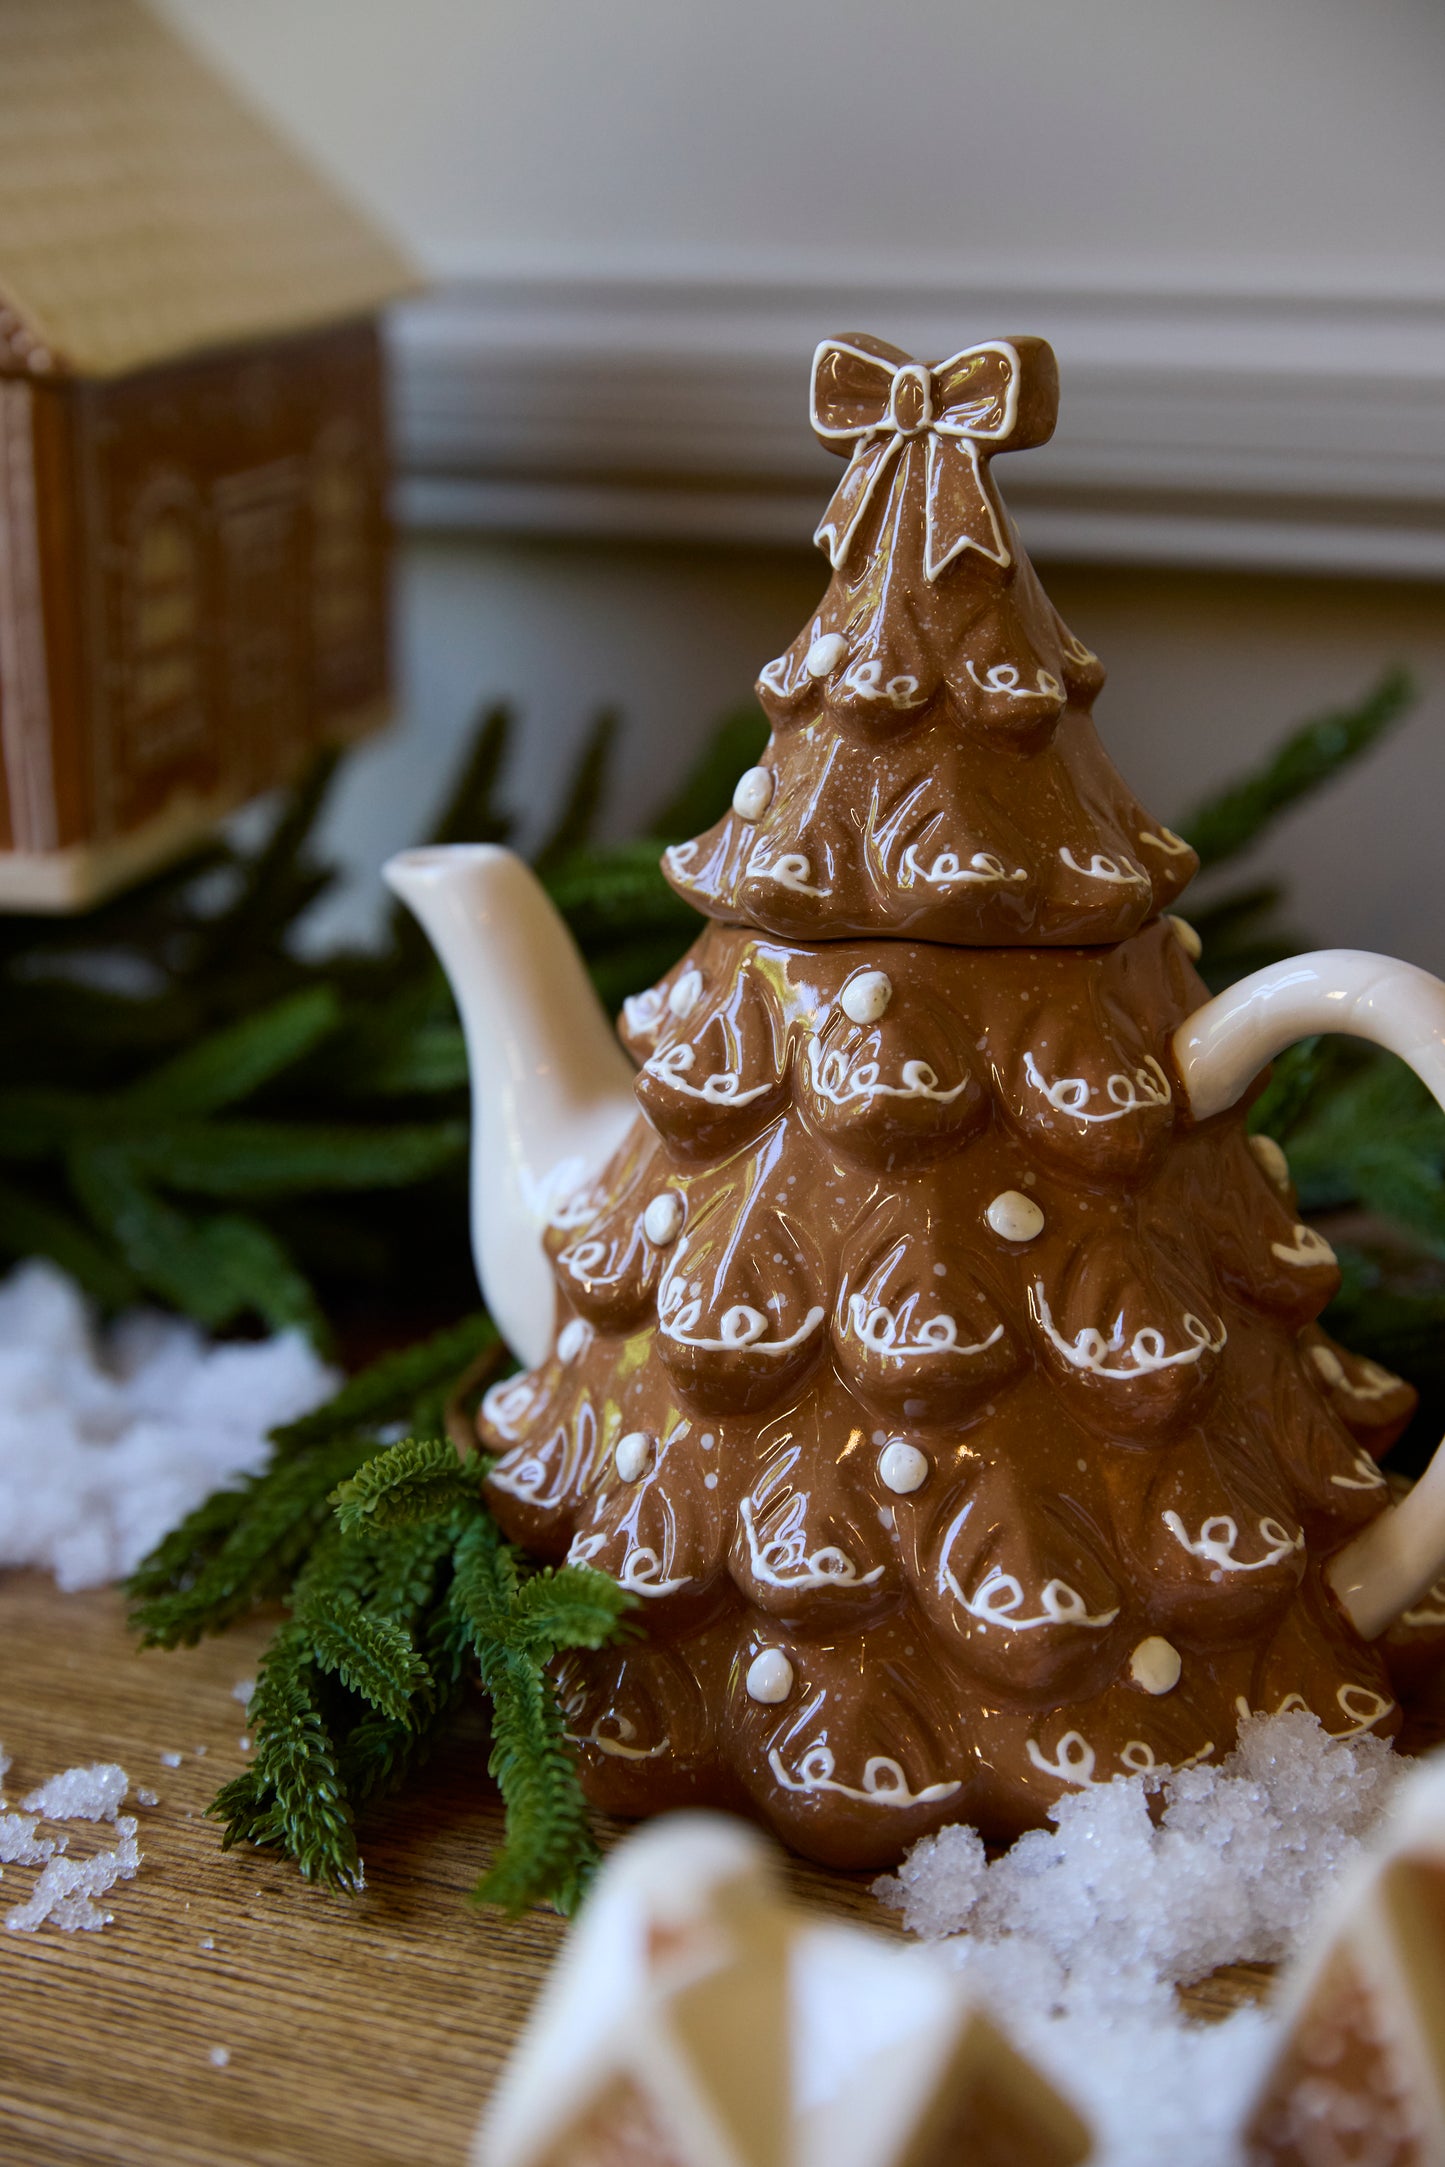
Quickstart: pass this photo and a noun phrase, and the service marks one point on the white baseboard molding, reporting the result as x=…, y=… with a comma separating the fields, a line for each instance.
x=1292, y=432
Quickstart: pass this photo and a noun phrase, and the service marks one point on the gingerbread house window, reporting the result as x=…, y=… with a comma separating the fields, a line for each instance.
x=342, y=559
x=165, y=705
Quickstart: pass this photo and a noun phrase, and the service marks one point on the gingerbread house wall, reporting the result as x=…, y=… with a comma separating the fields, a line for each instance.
x=193, y=572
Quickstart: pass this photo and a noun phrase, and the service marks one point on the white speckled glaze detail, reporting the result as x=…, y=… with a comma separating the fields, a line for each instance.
x=754, y=793
x=866, y=996
x=1156, y=1665
x=770, y=1677
x=1218, y=1051
x=1015, y=1217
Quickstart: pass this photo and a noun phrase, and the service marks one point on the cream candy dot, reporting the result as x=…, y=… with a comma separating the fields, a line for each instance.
x=902, y=1468
x=633, y=1455
x=825, y=654
x=572, y=1338
x=1155, y=1665
x=1272, y=1159
x=770, y=1677
x=754, y=793
x=662, y=1220
x=866, y=996
x=1015, y=1216
x=686, y=994
x=1187, y=938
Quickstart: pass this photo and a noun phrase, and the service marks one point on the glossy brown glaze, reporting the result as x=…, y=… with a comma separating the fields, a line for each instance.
x=953, y=1404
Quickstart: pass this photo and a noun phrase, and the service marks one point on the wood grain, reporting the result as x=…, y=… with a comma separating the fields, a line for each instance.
x=364, y=2030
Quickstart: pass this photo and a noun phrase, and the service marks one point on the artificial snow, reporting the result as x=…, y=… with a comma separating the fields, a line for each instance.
x=81, y=1794
x=66, y=1890
x=107, y=1440
x=1079, y=1934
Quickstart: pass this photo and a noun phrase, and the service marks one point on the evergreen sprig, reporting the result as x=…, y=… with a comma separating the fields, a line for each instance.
x=401, y=1590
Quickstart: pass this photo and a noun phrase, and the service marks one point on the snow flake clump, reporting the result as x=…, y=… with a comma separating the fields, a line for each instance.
x=1080, y=1934
x=106, y=1441
x=66, y=1889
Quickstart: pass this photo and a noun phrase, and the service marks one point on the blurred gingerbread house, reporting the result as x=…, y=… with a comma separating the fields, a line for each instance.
x=192, y=452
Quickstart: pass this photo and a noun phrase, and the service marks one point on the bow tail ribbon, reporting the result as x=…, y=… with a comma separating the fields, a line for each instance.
x=958, y=510
x=853, y=495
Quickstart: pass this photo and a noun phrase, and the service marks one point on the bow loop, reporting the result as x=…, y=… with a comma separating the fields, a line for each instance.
x=872, y=401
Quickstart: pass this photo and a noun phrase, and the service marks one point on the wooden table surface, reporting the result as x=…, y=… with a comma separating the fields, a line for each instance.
x=363, y=2030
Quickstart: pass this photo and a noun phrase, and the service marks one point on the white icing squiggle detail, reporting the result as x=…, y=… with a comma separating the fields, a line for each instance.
x=1219, y=1534
x=791, y=870
x=642, y=1568
x=1431, y=1611
x=672, y=1064
x=643, y=1012
x=1075, y=650
x=1004, y=679
x=1378, y=1384
x=833, y=1079
x=1128, y=1094
x=997, y=1599
x=1143, y=1356
x=528, y=1479
x=879, y=1329
x=680, y=856
x=865, y=681
x=1172, y=845
x=884, y=1783
x=1118, y=874
x=1308, y=1248
x=507, y=1405
x=785, y=1561
x=618, y=1747
x=1361, y=1703
x=774, y=675
x=742, y=1326
x=1366, y=1476
x=983, y=870
x=1073, y=1762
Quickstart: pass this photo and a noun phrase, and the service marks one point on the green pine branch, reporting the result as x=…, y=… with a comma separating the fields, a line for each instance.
x=402, y=1592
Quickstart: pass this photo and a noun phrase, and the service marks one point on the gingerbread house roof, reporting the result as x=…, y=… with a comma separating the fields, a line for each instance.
x=146, y=213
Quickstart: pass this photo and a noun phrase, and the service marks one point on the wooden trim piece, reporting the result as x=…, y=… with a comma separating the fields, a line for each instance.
x=25, y=716
x=1286, y=431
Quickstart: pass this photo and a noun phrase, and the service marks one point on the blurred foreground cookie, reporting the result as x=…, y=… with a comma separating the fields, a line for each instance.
x=696, y=2019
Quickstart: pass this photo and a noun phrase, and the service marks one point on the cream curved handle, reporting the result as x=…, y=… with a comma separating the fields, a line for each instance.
x=1218, y=1051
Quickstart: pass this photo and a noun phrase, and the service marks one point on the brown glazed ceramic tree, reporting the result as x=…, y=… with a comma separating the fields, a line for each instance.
x=953, y=1402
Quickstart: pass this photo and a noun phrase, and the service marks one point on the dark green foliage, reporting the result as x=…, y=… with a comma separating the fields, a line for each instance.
x=173, y=1051
x=1309, y=757
x=401, y=1592
x=515, y=1626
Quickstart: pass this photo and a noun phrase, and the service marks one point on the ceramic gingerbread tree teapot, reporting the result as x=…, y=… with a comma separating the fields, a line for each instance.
x=908, y=1318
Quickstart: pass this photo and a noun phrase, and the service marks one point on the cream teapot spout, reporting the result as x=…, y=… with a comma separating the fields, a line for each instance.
x=551, y=1087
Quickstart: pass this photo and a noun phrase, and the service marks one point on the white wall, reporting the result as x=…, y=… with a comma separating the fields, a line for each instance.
x=1294, y=140
x=1126, y=149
